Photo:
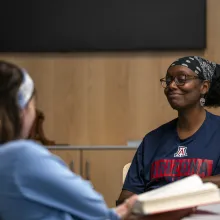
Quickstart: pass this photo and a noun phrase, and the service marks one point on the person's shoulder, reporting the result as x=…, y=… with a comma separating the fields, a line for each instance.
x=23, y=148
x=213, y=121
x=213, y=117
x=154, y=136
x=161, y=129
x=30, y=153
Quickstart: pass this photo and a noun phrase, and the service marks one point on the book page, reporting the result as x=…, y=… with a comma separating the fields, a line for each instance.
x=186, y=184
x=198, y=190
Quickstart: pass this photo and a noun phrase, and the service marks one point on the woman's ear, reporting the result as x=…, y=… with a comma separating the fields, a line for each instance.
x=205, y=87
x=22, y=114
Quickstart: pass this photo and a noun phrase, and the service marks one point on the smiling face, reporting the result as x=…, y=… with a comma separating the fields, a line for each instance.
x=187, y=95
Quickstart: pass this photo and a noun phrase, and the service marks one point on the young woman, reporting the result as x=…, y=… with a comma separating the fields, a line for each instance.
x=34, y=184
x=188, y=144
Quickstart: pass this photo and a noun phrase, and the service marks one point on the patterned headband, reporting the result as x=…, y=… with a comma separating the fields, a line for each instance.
x=26, y=90
x=202, y=67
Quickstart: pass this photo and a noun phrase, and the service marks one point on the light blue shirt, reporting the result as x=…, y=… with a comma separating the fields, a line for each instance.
x=37, y=185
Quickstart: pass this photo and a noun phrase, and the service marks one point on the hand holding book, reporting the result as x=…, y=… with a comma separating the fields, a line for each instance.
x=183, y=194
x=125, y=212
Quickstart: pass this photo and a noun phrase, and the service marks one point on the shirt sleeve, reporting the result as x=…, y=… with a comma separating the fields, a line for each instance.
x=45, y=179
x=134, y=181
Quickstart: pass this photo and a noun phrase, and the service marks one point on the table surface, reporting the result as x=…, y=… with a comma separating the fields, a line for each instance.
x=209, y=212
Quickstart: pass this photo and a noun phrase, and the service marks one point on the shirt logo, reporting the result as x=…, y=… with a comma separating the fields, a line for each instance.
x=181, y=152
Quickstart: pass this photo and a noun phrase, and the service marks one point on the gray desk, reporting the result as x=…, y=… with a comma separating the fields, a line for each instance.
x=215, y=209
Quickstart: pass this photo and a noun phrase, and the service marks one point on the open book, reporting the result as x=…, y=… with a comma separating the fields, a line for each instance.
x=185, y=193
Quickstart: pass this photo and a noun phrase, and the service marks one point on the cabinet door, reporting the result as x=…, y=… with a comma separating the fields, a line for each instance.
x=104, y=169
x=71, y=158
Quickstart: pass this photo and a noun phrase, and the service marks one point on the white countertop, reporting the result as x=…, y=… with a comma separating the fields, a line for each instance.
x=98, y=147
x=210, y=212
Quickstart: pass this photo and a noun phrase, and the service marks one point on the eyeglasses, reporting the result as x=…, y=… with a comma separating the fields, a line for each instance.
x=179, y=80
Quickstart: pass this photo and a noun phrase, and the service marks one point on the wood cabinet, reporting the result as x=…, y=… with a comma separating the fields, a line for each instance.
x=71, y=158
x=103, y=167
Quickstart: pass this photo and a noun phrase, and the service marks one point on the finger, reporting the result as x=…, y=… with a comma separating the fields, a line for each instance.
x=130, y=202
x=124, y=209
x=194, y=209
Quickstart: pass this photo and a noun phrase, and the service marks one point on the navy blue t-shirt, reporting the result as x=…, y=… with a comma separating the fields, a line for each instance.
x=163, y=158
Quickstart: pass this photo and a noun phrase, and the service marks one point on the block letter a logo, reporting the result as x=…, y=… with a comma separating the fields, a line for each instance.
x=181, y=152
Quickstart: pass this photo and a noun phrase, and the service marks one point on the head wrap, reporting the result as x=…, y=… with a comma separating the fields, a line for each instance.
x=25, y=90
x=205, y=69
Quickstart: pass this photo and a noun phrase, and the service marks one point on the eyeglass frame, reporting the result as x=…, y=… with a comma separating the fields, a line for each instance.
x=174, y=78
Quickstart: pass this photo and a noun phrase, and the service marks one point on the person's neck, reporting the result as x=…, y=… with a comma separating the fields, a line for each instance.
x=190, y=120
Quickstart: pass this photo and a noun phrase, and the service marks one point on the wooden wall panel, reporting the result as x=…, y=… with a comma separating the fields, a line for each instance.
x=107, y=98
x=213, y=35
x=104, y=168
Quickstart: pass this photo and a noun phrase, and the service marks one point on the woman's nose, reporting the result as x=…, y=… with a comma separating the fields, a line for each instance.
x=172, y=84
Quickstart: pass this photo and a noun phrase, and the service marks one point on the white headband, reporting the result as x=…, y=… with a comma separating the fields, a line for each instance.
x=26, y=90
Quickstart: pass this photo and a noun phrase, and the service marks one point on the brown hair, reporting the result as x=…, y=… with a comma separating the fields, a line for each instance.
x=10, y=81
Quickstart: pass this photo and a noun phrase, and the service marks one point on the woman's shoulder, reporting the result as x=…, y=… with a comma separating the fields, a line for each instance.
x=22, y=148
x=213, y=120
x=213, y=116
x=164, y=127
x=26, y=153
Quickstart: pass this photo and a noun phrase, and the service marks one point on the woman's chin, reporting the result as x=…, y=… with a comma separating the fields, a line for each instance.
x=176, y=105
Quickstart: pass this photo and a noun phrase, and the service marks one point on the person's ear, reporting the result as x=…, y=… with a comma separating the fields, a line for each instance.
x=205, y=87
x=21, y=115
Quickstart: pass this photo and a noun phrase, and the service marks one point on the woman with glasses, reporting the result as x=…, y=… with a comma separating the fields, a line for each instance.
x=189, y=144
x=36, y=184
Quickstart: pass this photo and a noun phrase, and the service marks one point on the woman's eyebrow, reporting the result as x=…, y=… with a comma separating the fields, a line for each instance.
x=178, y=73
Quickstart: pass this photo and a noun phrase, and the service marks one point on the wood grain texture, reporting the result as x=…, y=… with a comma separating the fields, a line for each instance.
x=107, y=98
x=71, y=158
x=105, y=170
